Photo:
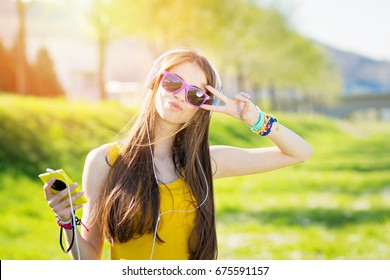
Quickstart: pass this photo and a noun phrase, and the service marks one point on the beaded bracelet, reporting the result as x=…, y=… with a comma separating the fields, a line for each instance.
x=260, y=121
x=268, y=126
x=264, y=124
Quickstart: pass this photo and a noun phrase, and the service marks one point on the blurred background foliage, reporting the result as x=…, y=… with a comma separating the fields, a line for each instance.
x=252, y=42
x=335, y=206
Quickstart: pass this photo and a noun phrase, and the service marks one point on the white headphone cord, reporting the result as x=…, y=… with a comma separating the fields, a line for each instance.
x=173, y=210
x=71, y=208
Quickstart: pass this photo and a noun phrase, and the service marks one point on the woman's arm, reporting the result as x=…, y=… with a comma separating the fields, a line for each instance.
x=227, y=161
x=232, y=161
x=90, y=242
x=95, y=174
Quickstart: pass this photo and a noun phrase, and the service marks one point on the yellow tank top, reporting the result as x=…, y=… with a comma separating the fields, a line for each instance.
x=174, y=227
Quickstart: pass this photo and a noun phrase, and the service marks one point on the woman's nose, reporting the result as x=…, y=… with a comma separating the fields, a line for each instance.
x=180, y=95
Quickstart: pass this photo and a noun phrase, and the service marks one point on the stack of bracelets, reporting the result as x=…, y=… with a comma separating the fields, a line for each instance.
x=264, y=124
x=69, y=225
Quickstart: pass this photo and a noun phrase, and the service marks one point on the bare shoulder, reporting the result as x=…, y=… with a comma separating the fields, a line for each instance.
x=96, y=170
x=98, y=155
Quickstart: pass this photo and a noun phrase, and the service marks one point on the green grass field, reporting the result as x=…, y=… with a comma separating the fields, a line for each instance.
x=335, y=206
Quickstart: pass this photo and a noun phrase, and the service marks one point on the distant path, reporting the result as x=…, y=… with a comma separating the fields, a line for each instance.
x=353, y=103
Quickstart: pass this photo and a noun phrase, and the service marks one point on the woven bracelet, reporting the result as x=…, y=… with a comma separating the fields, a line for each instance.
x=257, y=126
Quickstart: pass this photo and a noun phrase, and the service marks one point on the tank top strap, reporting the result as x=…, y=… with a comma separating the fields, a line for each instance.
x=113, y=151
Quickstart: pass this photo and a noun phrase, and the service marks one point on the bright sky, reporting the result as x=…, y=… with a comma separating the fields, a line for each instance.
x=361, y=26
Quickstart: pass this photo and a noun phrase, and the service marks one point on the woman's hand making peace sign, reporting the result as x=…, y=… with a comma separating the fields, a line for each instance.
x=239, y=107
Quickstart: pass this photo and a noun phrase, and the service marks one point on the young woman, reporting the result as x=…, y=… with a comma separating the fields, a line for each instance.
x=150, y=195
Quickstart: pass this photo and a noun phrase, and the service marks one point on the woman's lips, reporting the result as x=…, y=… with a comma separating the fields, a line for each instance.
x=175, y=106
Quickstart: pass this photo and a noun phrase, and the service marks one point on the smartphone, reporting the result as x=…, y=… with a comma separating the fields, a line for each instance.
x=61, y=182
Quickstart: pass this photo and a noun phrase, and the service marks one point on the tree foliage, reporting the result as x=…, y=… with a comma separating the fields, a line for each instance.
x=251, y=42
x=7, y=70
x=41, y=78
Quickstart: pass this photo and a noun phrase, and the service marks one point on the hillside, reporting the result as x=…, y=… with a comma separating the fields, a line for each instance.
x=360, y=74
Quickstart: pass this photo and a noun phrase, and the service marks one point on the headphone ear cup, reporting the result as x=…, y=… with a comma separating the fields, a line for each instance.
x=151, y=84
x=150, y=80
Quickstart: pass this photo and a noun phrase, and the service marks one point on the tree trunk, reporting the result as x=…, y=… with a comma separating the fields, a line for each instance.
x=102, y=44
x=21, y=61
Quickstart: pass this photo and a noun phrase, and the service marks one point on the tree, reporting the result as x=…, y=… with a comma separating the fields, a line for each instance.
x=252, y=42
x=100, y=23
x=7, y=70
x=262, y=51
x=104, y=22
x=43, y=79
x=20, y=48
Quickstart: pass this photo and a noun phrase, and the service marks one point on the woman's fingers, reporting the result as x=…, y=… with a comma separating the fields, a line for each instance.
x=65, y=192
x=66, y=213
x=239, y=106
x=47, y=188
x=247, y=95
x=242, y=96
x=214, y=108
x=221, y=96
x=60, y=203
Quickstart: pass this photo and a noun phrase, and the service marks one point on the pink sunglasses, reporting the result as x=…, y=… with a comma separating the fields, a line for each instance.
x=194, y=96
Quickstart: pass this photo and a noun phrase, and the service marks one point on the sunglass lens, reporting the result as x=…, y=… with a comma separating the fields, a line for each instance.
x=196, y=97
x=171, y=83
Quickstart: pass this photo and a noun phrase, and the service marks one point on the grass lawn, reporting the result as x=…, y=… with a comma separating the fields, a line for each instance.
x=335, y=206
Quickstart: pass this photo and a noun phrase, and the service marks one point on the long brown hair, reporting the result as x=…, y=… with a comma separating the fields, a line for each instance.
x=129, y=204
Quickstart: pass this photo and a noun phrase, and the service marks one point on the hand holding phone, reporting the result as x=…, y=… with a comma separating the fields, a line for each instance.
x=62, y=181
